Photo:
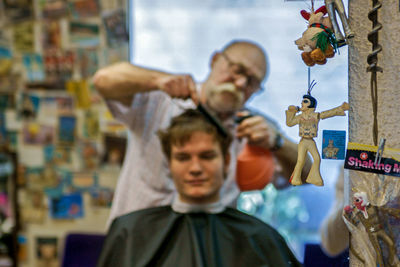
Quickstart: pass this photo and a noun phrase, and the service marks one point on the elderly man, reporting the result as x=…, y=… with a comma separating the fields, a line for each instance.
x=197, y=229
x=146, y=99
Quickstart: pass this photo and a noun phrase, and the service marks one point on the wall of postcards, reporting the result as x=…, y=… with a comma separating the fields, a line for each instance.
x=69, y=147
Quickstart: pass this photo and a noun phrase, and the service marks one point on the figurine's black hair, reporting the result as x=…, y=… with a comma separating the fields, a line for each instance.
x=313, y=101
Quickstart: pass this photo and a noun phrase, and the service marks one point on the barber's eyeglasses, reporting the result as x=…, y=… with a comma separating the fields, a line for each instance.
x=239, y=69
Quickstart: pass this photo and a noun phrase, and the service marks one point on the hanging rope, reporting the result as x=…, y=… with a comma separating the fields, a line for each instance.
x=373, y=67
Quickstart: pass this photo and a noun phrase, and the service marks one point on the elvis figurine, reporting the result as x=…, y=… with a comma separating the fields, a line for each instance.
x=308, y=121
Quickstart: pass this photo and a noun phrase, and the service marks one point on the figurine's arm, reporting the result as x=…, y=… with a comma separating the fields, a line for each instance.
x=291, y=118
x=349, y=214
x=338, y=111
x=391, y=211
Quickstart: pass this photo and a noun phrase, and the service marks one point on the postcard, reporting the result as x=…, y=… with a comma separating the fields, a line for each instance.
x=62, y=155
x=47, y=251
x=116, y=27
x=88, y=61
x=34, y=67
x=80, y=89
x=333, y=144
x=116, y=54
x=84, y=34
x=66, y=129
x=51, y=33
x=83, y=181
x=59, y=65
x=115, y=147
x=53, y=8
x=7, y=101
x=89, y=155
x=17, y=10
x=102, y=196
x=67, y=207
x=33, y=207
x=24, y=37
x=84, y=8
x=38, y=134
x=5, y=61
x=91, y=124
x=28, y=105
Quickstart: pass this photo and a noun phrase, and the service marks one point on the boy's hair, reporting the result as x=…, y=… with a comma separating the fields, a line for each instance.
x=182, y=128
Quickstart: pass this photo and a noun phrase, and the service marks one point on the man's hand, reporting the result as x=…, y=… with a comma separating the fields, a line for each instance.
x=257, y=131
x=179, y=86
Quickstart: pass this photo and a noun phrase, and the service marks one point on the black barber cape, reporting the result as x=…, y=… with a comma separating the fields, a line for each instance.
x=162, y=237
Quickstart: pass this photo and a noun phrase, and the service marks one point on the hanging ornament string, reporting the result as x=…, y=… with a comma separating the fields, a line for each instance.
x=373, y=67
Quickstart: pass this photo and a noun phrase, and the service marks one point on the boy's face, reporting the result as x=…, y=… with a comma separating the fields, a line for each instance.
x=198, y=168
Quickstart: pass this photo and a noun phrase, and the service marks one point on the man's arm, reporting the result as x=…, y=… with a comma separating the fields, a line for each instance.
x=121, y=81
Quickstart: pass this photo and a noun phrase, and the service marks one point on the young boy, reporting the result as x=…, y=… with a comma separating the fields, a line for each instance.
x=197, y=229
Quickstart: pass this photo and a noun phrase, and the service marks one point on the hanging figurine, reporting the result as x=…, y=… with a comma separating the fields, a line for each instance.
x=308, y=121
x=318, y=41
x=332, y=7
x=369, y=216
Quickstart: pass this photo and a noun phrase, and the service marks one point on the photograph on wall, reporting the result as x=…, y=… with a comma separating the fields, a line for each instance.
x=66, y=129
x=89, y=154
x=84, y=8
x=116, y=54
x=65, y=104
x=79, y=89
x=62, y=156
x=33, y=208
x=88, y=61
x=114, y=150
x=51, y=34
x=47, y=251
x=67, y=207
x=7, y=100
x=53, y=8
x=24, y=37
x=34, y=67
x=101, y=196
x=84, y=181
x=39, y=179
x=333, y=144
x=10, y=83
x=5, y=61
x=17, y=10
x=91, y=124
x=116, y=27
x=84, y=34
x=28, y=105
x=59, y=65
x=37, y=134
x=3, y=130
